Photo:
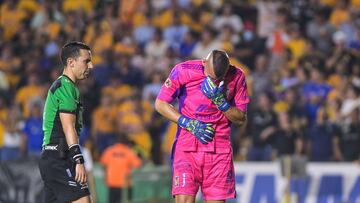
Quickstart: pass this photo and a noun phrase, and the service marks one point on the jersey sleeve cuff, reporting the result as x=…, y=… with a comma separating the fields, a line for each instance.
x=67, y=111
x=242, y=107
x=165, y=98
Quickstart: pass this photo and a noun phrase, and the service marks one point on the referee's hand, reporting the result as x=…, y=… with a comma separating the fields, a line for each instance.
x=80, y=173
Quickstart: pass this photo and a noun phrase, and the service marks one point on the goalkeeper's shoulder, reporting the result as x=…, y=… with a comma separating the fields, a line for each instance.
x=239, y=70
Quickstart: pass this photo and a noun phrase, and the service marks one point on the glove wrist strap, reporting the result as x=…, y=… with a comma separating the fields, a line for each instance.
x=182, y=121
x=224, y=106
x=75, y=154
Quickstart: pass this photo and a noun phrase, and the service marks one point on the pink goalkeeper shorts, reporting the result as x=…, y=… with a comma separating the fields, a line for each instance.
x=214, y=173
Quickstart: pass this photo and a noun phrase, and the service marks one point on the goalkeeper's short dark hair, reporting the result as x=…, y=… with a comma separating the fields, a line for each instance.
x=220, y=63
x=72, y=50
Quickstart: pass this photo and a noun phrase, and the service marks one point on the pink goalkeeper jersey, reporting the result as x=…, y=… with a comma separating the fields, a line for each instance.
x=184, y=83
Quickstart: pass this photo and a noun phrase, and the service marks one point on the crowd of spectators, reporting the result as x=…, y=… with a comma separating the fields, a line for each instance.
x=301, y=58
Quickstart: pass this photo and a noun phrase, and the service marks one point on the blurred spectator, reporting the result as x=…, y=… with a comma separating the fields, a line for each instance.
x=119, y=161
x=74, y=24
x=314, y=93
x=23, y=43
x=201, y=16
x=323, y=139
x=227, y=39
x=296, y=45
x=10, y=65
x=288, y=78
x=133, y=118
x=267, y=12
x=13, y=146
x=124, y=43
x=103, y=122
x=10, y=18
x=30, y=93
x=312, y=57
x=127, y=10
x=152, y=89
x=83, y=6
x=262, y=126
x=355, y=43
x=3, y=116
x=287, y=140
x=206, y=44
x=90, y=97
x=349, y=27
x=104, y=70
x=277, y=42
x=340, y=14
x=48, y=13
x=350, y=138
x=187, y=46
x=144, y=33
x=228, y=18
x=156, y=50
x=4, y=85
x=355, y=75
x=261, y=76
x=128, y=74
x=340, y=54
x=351, y=102
x=32, y=130
x=175, y=33
x=296, y=111
x=141, y=15
x=321, y=31
x=249, y=45
x=100, y=37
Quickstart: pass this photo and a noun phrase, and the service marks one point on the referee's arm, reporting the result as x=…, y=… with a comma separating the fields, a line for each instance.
x=68, y=121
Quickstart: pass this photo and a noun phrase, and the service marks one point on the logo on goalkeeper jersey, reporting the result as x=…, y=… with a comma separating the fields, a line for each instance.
x=168, y=83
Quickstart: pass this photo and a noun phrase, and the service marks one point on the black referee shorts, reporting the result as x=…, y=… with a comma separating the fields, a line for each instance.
x=59, y=179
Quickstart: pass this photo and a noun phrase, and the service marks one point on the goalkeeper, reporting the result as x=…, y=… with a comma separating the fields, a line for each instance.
x=212, y=94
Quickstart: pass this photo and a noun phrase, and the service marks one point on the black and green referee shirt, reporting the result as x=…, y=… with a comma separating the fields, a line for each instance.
x=63, y=96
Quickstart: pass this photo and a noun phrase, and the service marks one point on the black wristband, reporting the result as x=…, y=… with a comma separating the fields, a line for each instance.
x=75, y=154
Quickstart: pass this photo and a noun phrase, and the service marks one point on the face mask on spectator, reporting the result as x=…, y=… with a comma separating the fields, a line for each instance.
x=248, y=35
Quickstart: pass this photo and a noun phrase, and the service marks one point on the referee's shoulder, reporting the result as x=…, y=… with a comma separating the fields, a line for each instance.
x=61, y=83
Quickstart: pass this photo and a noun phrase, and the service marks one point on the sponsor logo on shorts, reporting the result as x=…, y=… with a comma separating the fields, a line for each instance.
x=51, y=147
x=72, y=183
x=184, y=180
x=84, y=186
x=68, y=172
x=176, y=181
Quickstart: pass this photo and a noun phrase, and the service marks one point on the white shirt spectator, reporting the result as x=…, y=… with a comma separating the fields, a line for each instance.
x=266, y=17
x=228, y=19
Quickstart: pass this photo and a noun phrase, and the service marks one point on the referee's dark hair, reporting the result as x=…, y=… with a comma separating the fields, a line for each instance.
x=220, y=63
x=71, y=50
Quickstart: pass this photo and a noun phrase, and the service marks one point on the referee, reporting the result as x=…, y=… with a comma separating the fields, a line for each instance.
x=61, y=163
